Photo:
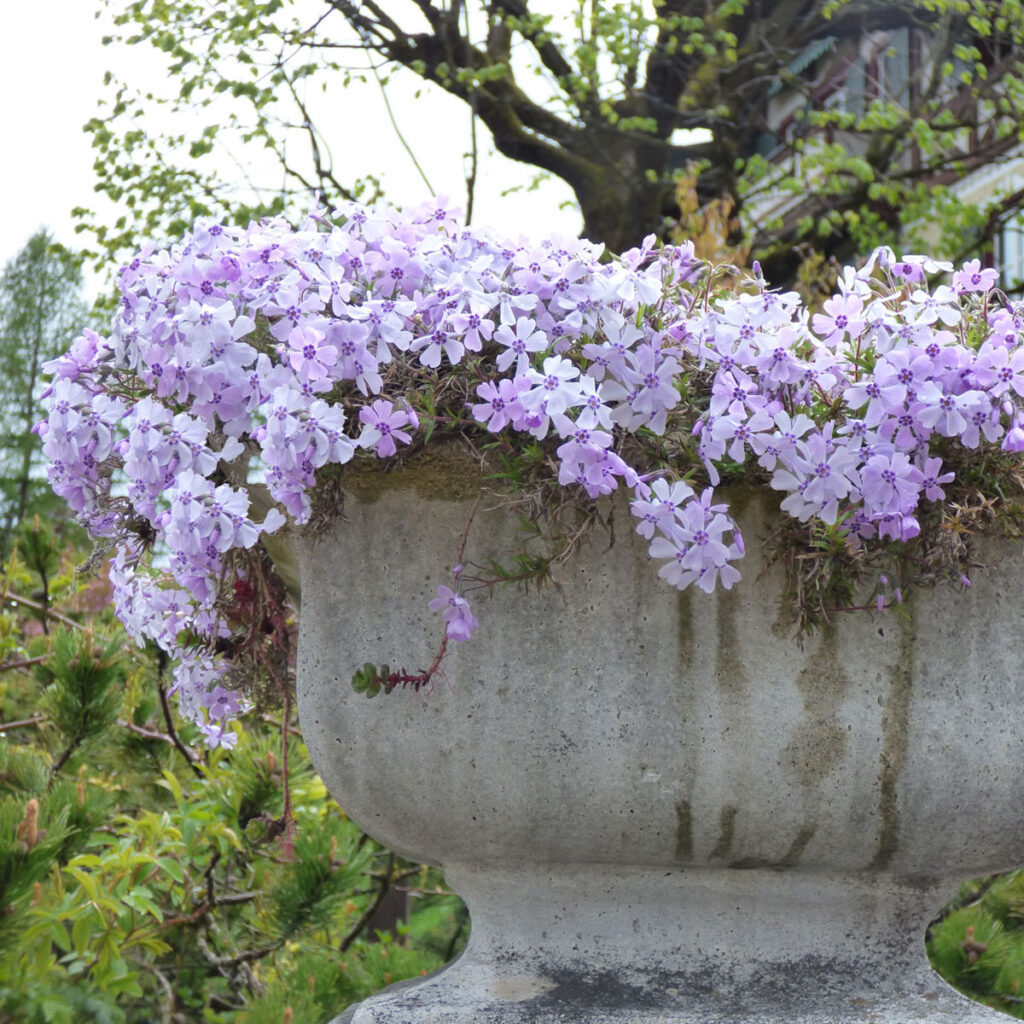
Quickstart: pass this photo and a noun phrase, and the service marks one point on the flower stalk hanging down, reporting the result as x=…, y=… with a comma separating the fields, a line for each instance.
x=260, y=359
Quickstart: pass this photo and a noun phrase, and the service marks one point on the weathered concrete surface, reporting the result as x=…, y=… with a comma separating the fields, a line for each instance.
x=657, y=807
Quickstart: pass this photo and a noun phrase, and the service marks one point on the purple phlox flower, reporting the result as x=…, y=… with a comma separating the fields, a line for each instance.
x=382, y=424
x=387, y=321
x=843, y=316
x=932, y=480
x=913, y=268
x=972, y=278
x=476, y=325
x=610, y=354
x=821, y=473
x=735, y=392
x=291, y=307
x=596, y=470
x=925, y=308
x=502, y=402
x=898, y=526
x=1006, y=327
x=81, y=356
x=938, y=410
x=355, y=361
x=982, y=415
x=593, y=411
x=397, y=268
x=771, y=447
x=1014, y=439
x=206, y=324
x=646, y=390
x=194, y=676
x=336, y=291
x=218, y=734
x=881, y=400
x=553, y=389
x=696, y=548
x=519, y=344
x=776, y=363
x=903, y=368
x=581, y=452
x=998, y=369
x=739, y=431
x=736, y=344
x=655, y=505
x=456, y=612
x=221, y=704
x=438, y=340
x=890, y=484
x=309, y=353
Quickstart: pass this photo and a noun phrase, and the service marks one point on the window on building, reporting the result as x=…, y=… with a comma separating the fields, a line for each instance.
x=1010, y=257
x=895, y=68
x=853, y=89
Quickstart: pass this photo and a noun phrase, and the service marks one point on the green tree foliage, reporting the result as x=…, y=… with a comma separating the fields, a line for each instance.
x=978, y=943
x=595, y=96
x=144, y=879
x=41, y=311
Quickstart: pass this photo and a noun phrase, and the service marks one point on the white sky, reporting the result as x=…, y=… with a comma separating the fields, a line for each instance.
x=51, y=77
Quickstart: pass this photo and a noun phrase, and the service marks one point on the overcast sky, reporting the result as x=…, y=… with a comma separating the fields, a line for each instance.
x=51, y=78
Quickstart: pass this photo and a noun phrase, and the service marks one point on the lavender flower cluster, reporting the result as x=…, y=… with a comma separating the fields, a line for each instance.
x=269, y=353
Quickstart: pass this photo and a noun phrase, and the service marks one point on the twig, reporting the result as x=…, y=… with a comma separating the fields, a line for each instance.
x=172, y=732
x=473, y=151
x=270, y=720
x=25, y=663
x=34, y=720
x=394, y=123
x=287, y=844
x=371, y=909
x=27, y=602
x=141, y=730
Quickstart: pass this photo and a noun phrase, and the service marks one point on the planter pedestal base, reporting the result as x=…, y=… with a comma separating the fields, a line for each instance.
x=598, y=944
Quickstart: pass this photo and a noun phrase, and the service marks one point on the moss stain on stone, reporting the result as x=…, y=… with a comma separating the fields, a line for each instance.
x=726, y=832
x=442, y=473
x=684, y=831
x=687, y=637
x=730, y=674
x=796, y=849
x=895, y=722
x=819, y=742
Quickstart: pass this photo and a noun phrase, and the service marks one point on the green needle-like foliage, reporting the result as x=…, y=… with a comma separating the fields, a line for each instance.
x=85, y=692
x=30, y=840
x=328, y=866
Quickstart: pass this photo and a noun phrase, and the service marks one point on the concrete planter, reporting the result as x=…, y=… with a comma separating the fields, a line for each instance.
x=657, y=807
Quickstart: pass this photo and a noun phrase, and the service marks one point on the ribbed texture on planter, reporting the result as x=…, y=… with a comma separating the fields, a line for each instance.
x=656, y=805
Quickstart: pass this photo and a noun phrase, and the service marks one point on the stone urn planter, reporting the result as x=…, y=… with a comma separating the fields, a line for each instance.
x=658, y=808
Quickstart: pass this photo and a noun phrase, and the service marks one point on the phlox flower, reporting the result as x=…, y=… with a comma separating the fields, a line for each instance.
x=696, y=548
x=770, y=447
x=475, y=325
x=655, y=505
x=931, y=479
x=890, y=484
x=502, y=402
x=927, y=308
x=382, y=424
x=971, y=278
x=519, y=343
x=553, y=390
x=310, y=355
x=843, y=316
x=821, y=473
x=430, y=346
x=999, y=369
x=456, y=612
